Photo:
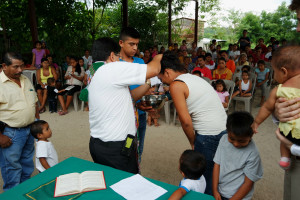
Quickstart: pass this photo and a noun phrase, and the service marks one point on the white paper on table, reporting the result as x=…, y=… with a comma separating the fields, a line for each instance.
x=69, y=87
x=137, y=187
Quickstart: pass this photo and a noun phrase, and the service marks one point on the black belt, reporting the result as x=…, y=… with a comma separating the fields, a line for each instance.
x=109, y=143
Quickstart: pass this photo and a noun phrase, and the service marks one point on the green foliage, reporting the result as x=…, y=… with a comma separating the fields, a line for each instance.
x=70, y=26
x=280, y=24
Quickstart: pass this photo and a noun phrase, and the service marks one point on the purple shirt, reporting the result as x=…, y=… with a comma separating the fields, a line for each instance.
x=38, y=55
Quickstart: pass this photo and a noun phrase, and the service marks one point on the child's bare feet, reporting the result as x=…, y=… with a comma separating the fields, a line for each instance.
x=155, y=122
x=149, y=121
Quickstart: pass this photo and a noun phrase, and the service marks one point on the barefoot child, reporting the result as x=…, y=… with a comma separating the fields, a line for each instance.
x=244, y=86
x=46, y=155
x=286, y=65
x=192, y=166
x=262, y=74
x=237, y=161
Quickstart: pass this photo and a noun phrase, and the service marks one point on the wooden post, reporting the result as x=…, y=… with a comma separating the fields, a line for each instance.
x=125, y=13
x=196, y=21
x=33, y=24
x=170, y=22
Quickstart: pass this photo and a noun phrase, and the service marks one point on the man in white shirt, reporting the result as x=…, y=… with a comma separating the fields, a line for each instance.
x=111, y=115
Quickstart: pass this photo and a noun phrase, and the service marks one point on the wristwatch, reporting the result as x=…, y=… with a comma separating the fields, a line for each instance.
x=148, y=82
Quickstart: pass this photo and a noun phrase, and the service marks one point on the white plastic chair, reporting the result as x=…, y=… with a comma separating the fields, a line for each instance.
x=246, y=100
x=167, y=110
x=30, y=74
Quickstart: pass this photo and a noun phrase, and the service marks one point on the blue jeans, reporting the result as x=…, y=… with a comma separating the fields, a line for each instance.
x=207, y=145
x=16, y=161
x=142, y=132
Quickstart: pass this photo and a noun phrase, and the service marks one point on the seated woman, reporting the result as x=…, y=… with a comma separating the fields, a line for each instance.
x=42, y=75
x=74, y=77
x=223, y=72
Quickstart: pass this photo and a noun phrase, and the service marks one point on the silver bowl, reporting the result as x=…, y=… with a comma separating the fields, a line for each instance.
x=153, y=100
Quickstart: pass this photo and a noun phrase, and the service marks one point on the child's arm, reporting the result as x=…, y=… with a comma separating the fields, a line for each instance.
x=243, y=190
x=240, y=86
x=265, y=111
x=225, y=105
x=250, y=87
x=44, y=163
x=178, y=194
x=215, y=181
x=85, y=79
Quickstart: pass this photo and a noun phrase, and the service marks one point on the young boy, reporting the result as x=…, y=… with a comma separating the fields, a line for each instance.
x=46, y=155
x=262, y=74
x=192, y=165
x=237, y=161
x=52, y=95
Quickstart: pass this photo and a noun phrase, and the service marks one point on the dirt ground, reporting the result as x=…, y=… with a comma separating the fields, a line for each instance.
x=163, y=147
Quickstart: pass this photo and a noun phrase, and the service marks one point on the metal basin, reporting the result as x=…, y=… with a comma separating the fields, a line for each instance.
x=153, y=100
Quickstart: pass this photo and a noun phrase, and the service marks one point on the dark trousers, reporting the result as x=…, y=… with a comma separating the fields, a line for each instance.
x=53, y=105
x=109, y=153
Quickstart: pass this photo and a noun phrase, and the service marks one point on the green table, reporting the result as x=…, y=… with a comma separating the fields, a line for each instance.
x=73, y=164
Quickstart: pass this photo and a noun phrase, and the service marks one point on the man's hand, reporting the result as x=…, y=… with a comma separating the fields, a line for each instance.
x=5, y=141
x=142, y=106
x=287, y=110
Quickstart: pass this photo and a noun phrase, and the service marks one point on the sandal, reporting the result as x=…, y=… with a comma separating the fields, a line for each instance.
x=63, y=113
x=42, y=110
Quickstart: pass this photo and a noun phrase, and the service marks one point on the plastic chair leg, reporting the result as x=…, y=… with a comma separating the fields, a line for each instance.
x=174, y=119
x=247, y=106
x=167, y=112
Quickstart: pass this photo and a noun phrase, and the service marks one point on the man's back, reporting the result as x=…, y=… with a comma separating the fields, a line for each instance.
x=111, y=108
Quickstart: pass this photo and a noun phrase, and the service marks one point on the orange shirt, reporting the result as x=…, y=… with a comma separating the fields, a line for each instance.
x=226, y=75
x=230, y=64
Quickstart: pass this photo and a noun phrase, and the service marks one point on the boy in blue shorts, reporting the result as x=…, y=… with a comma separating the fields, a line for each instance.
x=237, y=161
x=192, y=165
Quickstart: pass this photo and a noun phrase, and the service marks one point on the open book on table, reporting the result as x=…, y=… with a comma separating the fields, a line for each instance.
x=79, y=182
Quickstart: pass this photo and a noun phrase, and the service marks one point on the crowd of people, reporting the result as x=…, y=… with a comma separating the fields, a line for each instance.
x=223, y=161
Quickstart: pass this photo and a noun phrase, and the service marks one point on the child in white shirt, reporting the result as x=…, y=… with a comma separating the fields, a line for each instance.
x=46, y=155
x=192, y=165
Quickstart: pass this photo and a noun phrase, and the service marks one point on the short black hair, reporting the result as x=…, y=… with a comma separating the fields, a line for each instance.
x=37, y=128
x=129, y=32
x=197, y=71
x=192, y=164
x=50, y=81
x=201, y=56
x=261, y=62
x=208, y=54
x=38, y=42
x=239, y=124
x=222, y=58
x=246, y=68
x=223, y=51
x=8, y=56
x=103, y=47
x=171, y=61
x=44, y=59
